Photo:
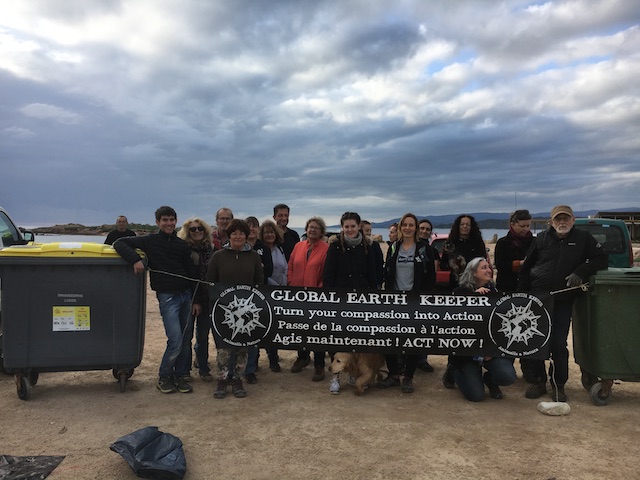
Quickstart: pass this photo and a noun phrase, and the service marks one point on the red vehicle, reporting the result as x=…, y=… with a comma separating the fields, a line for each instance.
x=442, y=276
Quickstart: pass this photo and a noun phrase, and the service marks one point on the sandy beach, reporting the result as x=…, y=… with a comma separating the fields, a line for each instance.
x=290, y=427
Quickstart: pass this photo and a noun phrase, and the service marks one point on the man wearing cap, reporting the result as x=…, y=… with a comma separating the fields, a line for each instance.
x=560, y=259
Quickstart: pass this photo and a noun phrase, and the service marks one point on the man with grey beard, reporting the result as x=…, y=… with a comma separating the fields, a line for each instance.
x=560, y=259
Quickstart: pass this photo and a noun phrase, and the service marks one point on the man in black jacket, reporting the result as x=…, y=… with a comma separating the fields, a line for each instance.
x=559, y=260
x=166, y=252
x=122, y=230
x=291, y=237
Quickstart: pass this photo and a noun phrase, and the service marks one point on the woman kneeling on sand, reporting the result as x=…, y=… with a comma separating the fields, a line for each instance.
x=477, y=278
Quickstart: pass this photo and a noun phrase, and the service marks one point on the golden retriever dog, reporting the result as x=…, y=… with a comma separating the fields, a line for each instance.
x=364, y=367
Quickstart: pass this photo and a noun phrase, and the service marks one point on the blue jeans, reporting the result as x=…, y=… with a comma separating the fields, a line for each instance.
x=175, y=309
x=468, y=376
x=252, y=359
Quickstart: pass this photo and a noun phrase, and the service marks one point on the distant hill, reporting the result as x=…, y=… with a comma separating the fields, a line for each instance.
x=493, y=220
x=78, y=229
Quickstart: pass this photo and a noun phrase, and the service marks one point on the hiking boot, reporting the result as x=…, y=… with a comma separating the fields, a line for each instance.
x=275, y=367
x=447, y=378
x=494, y=390
x=334, y=386
x=407, y=385
x=558, y=395
x=221, y=389
x=251, y=378
x=536, y=390
x=166, y=385
x=206, y=377
x=238, y=388
x=388, y=382
x=182, y=385
x=299, y=364
x=318, y=374
x=425, y=367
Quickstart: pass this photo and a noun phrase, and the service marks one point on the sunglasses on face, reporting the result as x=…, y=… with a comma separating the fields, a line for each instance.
x=196, y=229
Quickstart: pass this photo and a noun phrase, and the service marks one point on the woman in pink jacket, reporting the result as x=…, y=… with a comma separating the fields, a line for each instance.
x=306, y=266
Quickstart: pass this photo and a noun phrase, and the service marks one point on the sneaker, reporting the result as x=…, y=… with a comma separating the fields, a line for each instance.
x=494, y=390
x=251, y=378
x=318, y=374
x=275, y=367
x=238, y=388
x=299, y=364
x=536, y=390
x=425, y=367
x=447, y=378
x=334, y=386
x=166, y=385
x=351, y=381
x=558, y=395
x=221, y=389
x=206, y=377
x=390, y=381
x=182, y=385
x=407, y=385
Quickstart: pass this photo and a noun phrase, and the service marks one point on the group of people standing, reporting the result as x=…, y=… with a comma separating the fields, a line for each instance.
x=247, y=252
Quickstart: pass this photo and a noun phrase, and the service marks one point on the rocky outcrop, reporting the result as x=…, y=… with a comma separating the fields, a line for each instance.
x=78, y=229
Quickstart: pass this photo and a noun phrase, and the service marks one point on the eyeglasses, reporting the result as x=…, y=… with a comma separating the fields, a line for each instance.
x=196, y=229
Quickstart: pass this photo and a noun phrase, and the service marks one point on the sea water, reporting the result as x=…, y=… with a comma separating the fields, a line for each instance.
x=487, y=234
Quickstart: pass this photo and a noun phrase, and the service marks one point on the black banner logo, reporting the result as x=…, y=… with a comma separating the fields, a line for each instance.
x=520, y=325
x=242, y=316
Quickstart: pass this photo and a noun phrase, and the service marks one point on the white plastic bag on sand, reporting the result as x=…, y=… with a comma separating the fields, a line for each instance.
x=554, y=408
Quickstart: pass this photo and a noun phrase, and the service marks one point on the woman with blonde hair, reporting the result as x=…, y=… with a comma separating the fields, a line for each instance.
x=306, y=266
x=197, y=233
x=409, y=267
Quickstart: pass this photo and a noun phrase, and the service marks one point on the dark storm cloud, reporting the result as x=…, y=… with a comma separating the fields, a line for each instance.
x=436, y=107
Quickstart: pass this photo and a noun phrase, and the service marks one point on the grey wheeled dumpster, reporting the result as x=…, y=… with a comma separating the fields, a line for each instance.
x=606, y=331
x=70, y=307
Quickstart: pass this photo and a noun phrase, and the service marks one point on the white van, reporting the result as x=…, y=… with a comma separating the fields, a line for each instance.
x=10, y=234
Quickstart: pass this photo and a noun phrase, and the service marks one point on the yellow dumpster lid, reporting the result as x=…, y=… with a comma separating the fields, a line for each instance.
x=60, y=249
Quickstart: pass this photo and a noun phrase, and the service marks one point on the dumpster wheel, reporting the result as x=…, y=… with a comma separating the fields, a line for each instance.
x=601, y=393
x=122, y=376
x=23, y=386
x=33, y=378
x=588, y=379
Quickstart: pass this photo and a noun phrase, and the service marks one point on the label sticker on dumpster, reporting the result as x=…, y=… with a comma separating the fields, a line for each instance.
x=71, y=319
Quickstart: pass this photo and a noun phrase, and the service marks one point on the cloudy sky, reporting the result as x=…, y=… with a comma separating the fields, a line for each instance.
x=435, y=107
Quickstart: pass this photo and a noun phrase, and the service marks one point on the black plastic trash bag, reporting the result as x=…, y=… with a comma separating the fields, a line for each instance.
x=152, y=453
x=27, y=468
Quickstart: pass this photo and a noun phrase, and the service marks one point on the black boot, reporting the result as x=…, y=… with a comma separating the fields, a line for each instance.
x=447, y=378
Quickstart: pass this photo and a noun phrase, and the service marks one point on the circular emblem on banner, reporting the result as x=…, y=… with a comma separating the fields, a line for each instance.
x=241, y=316
x=520, y=325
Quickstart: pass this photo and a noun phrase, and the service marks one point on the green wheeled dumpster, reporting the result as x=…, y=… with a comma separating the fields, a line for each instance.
x=70, y=307
x=606, y=331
